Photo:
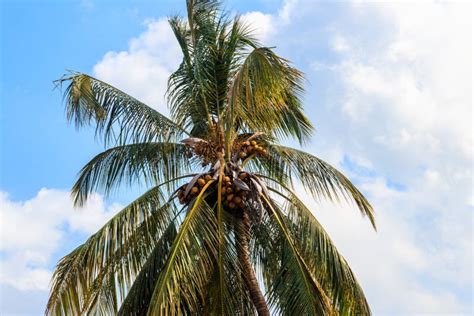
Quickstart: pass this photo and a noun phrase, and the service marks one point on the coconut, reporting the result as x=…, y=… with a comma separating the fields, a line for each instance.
x=201, y=182
x=194, y=190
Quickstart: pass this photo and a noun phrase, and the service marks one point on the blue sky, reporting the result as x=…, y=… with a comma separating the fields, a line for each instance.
x=389, y=93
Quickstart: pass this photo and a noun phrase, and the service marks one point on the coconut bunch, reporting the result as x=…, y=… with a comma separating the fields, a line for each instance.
x=248, y=148
x=235, y=191
x=206, y=151
x=188, y=191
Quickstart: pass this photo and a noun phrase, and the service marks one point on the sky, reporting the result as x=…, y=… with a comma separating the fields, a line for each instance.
x=388, y=88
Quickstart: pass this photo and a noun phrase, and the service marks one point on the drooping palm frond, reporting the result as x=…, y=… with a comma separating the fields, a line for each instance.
x=320, y=178
x=119, y=280
x=138, y=297
x=322, y=257
x=118, y=117
x=325, y=262
x=226, y=293
x=131, y=234
x=139, y=163
x=294, y=290
x=181, y=284
x=264, y=95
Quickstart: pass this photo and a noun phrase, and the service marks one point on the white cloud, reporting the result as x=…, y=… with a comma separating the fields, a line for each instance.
x=262, y=25
x=405, y=102
x=33, y=230
x=143, y=70
x=287, y=10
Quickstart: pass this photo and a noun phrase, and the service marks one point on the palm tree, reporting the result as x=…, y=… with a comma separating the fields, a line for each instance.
x=221, y=230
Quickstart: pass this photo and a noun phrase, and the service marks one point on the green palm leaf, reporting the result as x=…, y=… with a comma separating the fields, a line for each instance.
x=320, y=178
x=138, y=297
x=119, y=118
x=149, y=162
x=264, y=95
x=300, y=292
x=187, y=269
x=132, y=232
x=322, y=257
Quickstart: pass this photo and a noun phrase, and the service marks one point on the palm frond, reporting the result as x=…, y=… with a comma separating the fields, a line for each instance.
x=321, y=255
x=141, y=163
x=213, y=47
x=189, y=265
x=294, y=289
x=320, y=178
x=118, y=117
x=77, y=273
x=226, y=293
x=139, y=296
x=265, y=96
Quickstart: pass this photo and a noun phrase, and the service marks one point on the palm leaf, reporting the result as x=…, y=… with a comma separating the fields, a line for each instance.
x=118, y=117
x=182, y=282
x=77, y=272
x=139, y=296
x=150, y=162
x=320, y=178
x=305, y=296
x=264, y=96
x=322, y=257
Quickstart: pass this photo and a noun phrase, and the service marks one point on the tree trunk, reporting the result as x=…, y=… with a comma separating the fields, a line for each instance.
x=242, y=233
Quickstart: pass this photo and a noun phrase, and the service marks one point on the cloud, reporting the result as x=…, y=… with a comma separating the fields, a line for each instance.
x=34, y=230
x=287, y=10
x=143, y=70
x=262, y=25
x=405, y=96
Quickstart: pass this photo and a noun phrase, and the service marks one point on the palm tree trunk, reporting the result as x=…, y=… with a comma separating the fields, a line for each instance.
x=242, y=233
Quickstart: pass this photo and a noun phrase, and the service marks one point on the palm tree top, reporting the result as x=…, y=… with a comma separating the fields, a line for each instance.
x=221, y=211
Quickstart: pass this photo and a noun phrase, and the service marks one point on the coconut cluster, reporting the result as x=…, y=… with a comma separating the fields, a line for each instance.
x=248, y=148
x=187, y=192
x=209, y=152
x=234, y=193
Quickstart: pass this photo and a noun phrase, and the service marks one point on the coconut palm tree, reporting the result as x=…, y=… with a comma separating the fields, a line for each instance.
x=220, y=230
